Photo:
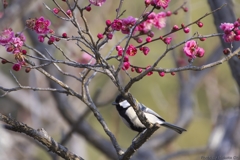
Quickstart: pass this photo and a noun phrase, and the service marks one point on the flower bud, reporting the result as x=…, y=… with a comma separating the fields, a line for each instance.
x=27, y=70
x=226, y=51
x=16, y=67
x=162, y=74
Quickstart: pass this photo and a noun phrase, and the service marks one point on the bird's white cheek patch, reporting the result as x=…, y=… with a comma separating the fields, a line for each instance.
x=124, y=104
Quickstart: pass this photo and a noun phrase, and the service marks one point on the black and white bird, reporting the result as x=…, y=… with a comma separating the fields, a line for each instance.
x=131, y=119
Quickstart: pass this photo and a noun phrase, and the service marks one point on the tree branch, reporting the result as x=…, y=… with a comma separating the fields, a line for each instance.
x=139, y=142
x=41, y=136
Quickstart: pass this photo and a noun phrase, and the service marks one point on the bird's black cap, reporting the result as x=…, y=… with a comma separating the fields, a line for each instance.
x=118, y=99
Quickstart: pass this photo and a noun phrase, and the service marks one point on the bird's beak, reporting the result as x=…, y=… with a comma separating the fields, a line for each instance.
x=114, y=103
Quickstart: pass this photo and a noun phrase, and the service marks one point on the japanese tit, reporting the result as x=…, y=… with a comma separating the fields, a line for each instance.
x=130, y=118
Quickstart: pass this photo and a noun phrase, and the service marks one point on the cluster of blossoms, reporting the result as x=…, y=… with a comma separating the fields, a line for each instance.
x=157, y=20
x=231, y=31
x=41, y=27
x=192, y=50
x=13, y=44
x=132, y=51
x=124, y=25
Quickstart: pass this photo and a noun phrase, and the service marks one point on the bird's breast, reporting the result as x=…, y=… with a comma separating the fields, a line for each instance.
x=133, y=118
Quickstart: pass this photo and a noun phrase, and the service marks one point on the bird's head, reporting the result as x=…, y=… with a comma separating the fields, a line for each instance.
x=120, y=101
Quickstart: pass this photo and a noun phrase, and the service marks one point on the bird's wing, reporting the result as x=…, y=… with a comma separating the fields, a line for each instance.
x=148, y=110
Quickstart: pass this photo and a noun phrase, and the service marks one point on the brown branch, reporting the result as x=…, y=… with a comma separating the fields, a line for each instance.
x=139, y=142
x=8, y=90
x=199, y=68
x=41, y=136
x=89, y=102
x=74, y=126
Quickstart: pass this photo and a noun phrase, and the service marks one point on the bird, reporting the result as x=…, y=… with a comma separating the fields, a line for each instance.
x=131, y=120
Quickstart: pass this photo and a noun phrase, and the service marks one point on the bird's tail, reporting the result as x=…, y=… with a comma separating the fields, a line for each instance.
x=173, y=127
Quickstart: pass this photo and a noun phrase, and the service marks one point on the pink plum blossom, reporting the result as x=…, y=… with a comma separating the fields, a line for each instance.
x=161, y=3
x=167, y=40
x=131, y=50
x=145, y=50
x=190, y=48
x=117, y=24
x=146, y=25
x=56, y=10
x=127, y=23
x=69, y=13
x=17, y=42
x=21, y=36
x=41, y=38
x=6, y=36
x=148, y=2
x=200, y=52
x=229, y=37
x=227, y=27
x=97, y=2
x=139, y=70
x=160, y=20
x=12, y=43
x=42, y=25
x=126, y=66
x=229, y=34
x=16, y=67
x=150, y=72
x=161, y=74
x=237, y=37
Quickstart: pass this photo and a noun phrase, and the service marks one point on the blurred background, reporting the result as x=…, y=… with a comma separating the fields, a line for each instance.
x=205, y=103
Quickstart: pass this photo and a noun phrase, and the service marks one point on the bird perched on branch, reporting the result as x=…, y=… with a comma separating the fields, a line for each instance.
x=131, y=119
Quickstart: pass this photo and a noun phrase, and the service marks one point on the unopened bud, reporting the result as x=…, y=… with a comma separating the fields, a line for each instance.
x=226, y=51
